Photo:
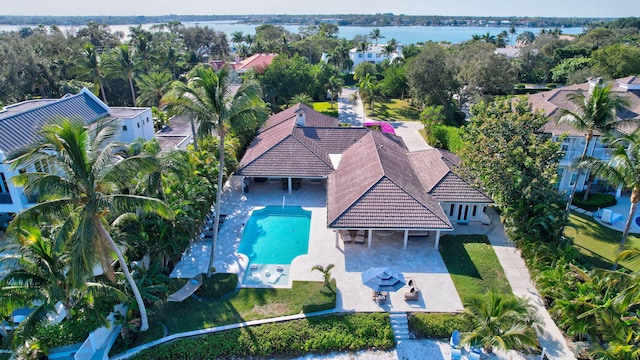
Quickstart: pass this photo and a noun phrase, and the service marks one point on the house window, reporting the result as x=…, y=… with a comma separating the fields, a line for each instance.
x=565, y=145
x=3, y=186
x=474, y=210
x=124, y=127
x=574, y=178
x=451, y=209
x=147, y=120
x=560, y=174
x=369, y=55
x=359, y=56
x=377, y=55
x=138, y=125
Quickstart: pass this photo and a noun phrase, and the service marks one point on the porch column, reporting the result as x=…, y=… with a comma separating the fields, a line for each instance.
x=619, y=192
x=406, y=238
x=289, y=184
x=337, y=238
x=370, y=237
x=437, y=239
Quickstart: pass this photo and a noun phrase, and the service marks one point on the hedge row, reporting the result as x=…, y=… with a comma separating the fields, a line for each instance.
x=313, y=335
x=431, y=325
x=594, y=202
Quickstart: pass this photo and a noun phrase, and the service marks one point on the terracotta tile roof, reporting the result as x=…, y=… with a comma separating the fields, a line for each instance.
x=283, y=148
x=257, y=62
x=434, y=168
x=375, y=186
x=551, y=102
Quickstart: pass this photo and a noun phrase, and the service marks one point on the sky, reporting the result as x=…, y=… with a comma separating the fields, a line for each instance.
x=544, y=8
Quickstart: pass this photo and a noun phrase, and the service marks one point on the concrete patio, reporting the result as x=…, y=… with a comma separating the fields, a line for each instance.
x=420, y=260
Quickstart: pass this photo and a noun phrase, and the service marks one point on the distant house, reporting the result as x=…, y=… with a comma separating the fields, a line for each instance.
x=553, y=101
x=20, y=123
x=374, y=54
x=257, y=62
x=373, y=182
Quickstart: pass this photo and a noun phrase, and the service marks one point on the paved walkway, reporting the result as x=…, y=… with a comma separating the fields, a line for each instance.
x=350, y=113
x=550, y=337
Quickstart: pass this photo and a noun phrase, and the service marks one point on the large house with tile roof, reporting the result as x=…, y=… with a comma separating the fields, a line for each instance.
x=20, y=123
x=374, y=54
x=372, y=181
x=551, y=104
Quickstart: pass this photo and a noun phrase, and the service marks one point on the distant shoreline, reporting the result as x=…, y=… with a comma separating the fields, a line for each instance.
x=364, y=20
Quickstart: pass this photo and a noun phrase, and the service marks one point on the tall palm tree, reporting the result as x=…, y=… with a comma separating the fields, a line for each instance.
x=153, y=87
x=207, y=99
x=596, y=112
x=237, y=37
x=499, y=321
x=122, y=65
x=335, y=85
x=90, y=68
x=85, y=192
x=376, y=35
x=368, y=90
x=623, y=169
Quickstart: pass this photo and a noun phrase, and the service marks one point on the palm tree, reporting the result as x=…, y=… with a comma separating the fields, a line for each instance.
x=121, y=64
x=376, y=35
x=303, y=98
x=90, y=68
x=206, y=98
x=326, y=272
x=84, y=193
x=596, y=112
x=368, y=90
x=500, y=321
x=153, y=87
x=623, y=169
x=237, y=37
x=335, y=87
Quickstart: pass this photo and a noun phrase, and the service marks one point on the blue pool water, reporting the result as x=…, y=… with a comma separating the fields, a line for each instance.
x=274, y=236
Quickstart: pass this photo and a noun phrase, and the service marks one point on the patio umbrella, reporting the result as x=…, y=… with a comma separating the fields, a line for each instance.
x=383, y=279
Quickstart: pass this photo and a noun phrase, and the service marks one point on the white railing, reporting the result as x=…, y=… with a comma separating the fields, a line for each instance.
x=598, y=153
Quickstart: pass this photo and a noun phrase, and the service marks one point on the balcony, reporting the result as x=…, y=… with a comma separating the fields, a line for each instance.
x=598, y=153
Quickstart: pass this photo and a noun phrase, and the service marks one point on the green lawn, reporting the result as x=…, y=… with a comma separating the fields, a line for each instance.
x=243, y=305
x=393, y=110
x=325, y=108
x=473, y=265
x=597, y=243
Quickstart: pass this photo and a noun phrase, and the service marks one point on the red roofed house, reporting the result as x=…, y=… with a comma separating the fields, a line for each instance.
x=256, y=62
x=373, y=182
x=553, y=101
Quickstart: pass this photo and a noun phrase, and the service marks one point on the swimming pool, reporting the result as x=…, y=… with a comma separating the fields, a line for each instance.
x=272, y=238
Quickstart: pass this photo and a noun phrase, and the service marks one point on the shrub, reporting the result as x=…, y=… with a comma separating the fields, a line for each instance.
x=424, y=325
x=594, y=202
x=325, y=299
x=287, y=339
x=67, y=332
x=446, y=137
x=218, y=285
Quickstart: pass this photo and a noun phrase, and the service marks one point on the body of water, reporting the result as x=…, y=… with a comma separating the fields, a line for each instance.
x=403, y=34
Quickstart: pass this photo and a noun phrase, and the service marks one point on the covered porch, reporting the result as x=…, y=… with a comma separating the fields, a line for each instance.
x=377, y=235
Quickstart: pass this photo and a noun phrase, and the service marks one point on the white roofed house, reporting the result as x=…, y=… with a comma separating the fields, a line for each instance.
x=21, y=122
x=552, y=103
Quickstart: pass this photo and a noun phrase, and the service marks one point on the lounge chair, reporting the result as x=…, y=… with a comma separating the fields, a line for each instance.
x=473, y=356
x=455, y=339
x=359, y=237
x=414, y=293
x=273, y=277
x=456, y=354
x=187, y=290
x=345, y=235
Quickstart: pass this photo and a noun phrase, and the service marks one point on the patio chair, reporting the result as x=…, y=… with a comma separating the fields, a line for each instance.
x=473, y=356
x=359, y=237
x=345, y=235
x=455, y=339
x=412, y=295
x=379, y=297
x=456, y=354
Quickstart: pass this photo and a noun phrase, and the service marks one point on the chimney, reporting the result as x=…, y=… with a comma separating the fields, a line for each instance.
x=593, y=82
x=300, y=118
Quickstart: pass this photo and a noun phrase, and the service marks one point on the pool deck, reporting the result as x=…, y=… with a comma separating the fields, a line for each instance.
x=420, y=260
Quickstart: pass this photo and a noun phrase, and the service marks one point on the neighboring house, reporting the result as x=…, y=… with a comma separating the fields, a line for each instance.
x=553, y=101
x=374, y=54
x=373, y=182
x=257, y=62
x=20, y=123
